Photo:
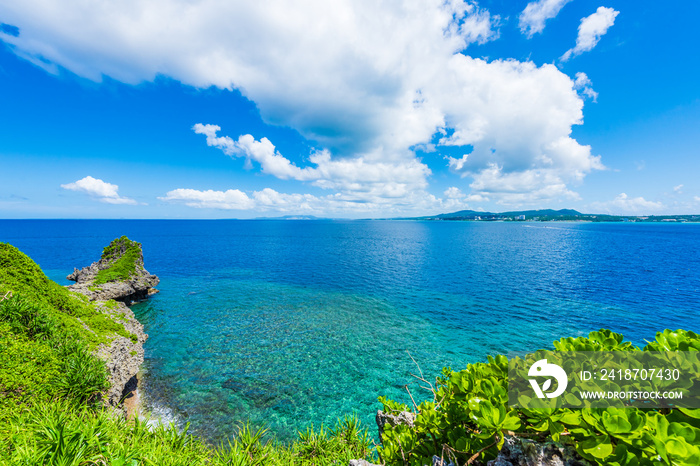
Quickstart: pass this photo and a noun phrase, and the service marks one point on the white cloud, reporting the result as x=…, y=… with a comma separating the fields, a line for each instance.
x=535, y=14
x=234, y=199
x=365, y=81
x=454, y=193
x=521, y=187
x=230, y=199
x=678, y=189
x=583, y=84
x=520, y=131
x=269, y=200
x=355, y=179
x=624, y=204
x=103, y=191
x=263, y=152
x=591, y=29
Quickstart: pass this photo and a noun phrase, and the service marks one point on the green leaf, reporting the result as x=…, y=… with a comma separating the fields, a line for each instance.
x=598, y=447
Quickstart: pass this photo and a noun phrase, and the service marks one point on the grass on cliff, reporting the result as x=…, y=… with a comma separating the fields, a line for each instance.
x=22, y=277
x=127, y=259
x=50, y=383
x=60, y=434
x=41, y=362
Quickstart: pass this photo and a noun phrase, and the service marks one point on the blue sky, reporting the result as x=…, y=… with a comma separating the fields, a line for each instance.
x=220, y=109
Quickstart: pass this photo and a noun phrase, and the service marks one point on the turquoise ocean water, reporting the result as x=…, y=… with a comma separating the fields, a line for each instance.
x=286, y=323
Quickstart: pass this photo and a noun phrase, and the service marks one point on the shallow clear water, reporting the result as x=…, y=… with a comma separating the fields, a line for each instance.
x=292, y=322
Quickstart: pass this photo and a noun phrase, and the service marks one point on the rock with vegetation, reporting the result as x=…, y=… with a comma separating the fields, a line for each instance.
x=361, y=463
x=517, y=451
x=405, y=418
x=62, y=339
x=116, y=280
x=119, y=274
x=123, y=356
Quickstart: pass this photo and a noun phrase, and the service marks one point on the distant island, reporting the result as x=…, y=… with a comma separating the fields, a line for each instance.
x=291, y=217
x=549, y=215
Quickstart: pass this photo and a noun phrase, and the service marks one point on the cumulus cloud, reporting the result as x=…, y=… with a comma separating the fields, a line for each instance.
x=454, y=193
x=536, y=13
x=355, y=179
x=623, y=204
x=263, y=152
x=678, y=189
x=518, y=124
x=101, y=190
x=234, y=199
x=583, y=84
x=269, y=200
x=364, y=81
x=522, y=187
x=591, y=29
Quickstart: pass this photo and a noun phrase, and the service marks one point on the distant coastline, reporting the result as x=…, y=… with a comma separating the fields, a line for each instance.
x=549, y=215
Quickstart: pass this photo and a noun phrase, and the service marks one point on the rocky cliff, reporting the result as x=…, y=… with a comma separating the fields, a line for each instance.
x=117, y=279
x=118, y=275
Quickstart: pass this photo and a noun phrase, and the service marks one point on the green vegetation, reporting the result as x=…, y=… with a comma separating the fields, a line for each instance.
x=73, y=313
x=469, y=416
x=42, y=362
x=126, y=259
x=62, y=434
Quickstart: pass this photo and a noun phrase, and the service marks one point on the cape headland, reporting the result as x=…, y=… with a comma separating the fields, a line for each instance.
x=118, y=275
x=116, y=280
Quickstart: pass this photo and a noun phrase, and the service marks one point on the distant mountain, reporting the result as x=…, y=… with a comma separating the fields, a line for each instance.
x=526, y=213
x=292, y=217
x=463, y=213
x=545, y=212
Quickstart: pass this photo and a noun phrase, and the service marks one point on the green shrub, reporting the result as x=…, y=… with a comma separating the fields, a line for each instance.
x=41, y=361
x=21, y=277
x=469, y=417
x=64, y=434
x=126, y=259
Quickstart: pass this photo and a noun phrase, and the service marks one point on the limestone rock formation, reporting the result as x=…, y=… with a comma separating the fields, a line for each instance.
x=119, y=274
x=382, y=418
x=437, y=461
x=123, y=356
x=361, y=463
x=117, y=279
x=526, y=452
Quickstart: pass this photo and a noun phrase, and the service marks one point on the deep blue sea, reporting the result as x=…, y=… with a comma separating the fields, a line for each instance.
x=286, y=323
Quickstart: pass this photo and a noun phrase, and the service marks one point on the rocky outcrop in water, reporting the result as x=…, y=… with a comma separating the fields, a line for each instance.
x=119, y=274
x=117, y=279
